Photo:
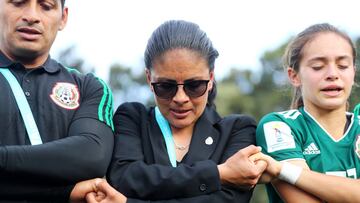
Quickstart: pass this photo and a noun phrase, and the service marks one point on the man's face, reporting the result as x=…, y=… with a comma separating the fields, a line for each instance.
x=29, y=27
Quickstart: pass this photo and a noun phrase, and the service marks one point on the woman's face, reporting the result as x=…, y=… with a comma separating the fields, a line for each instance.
x=326, y=73
x=181, y=66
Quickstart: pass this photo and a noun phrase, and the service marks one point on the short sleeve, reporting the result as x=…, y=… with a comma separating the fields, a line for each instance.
x=279, y=137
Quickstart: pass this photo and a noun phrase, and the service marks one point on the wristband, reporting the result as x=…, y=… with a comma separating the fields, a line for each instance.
x=290, y=173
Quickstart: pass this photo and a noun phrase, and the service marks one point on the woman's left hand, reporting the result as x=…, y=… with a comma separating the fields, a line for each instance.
x=105, y=194
x=273, y=167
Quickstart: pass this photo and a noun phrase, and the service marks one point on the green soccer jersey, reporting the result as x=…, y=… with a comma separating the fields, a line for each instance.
x=295, y=134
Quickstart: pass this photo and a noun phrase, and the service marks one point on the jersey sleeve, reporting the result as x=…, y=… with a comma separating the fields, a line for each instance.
x=279, y=136
x=97, y=101
x=50, y=170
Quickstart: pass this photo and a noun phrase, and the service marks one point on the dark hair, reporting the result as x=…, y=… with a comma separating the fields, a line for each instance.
x=293, y=53
x=62, y=3
x=181, y=34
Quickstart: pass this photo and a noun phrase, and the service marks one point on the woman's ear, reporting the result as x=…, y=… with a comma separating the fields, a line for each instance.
x=212, y=79
x=294, y=77
x=148, y=78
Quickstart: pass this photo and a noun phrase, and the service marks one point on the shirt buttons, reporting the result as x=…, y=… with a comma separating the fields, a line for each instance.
x=27, y=94
x=202, y=187
x=27, y=80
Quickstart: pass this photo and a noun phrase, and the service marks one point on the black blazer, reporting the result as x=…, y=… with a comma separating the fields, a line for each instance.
x=141, y=169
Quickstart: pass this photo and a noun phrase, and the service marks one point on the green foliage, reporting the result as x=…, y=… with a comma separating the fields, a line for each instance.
x=70, y=59
x=354, y=98
x=242, y=92
x=127, y=86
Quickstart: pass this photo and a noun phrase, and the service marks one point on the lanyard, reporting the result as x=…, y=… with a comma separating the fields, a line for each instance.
x=166, y=131
x=24, y=107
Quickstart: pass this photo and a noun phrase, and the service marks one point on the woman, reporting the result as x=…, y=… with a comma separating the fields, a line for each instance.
x=175, y=151
x=317, y=133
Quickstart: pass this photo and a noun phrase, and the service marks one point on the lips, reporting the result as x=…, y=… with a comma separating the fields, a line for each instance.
x=180, y=113
x=332, y=90
x=29, y=33
x=29, y=30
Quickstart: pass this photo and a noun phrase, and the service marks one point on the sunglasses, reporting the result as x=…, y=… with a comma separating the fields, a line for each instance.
x=193, y=89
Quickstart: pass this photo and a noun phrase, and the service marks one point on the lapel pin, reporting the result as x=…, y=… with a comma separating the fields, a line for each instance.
x=209, y=141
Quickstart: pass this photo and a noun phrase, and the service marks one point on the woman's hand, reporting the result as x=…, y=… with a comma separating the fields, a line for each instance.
x=239, y=170
x=81, y=189
x=273, y=167
x=105, y=194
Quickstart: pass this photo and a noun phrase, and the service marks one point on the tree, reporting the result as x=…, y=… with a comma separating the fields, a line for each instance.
x=127, y=86
x=354, y=98
x=70, y=59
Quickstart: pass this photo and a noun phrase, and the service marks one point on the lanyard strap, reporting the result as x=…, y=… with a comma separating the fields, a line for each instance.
x=166, y=131
x=24, y=107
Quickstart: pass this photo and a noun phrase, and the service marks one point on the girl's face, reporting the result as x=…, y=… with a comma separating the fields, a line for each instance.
x=181, y=66
x=326, y=72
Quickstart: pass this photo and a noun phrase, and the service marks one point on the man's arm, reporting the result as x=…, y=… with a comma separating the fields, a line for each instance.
x=84, y=152
x=83, y=155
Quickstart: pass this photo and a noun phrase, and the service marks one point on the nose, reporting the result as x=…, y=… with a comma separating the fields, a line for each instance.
x=30, y=14
x=180, y=96
x=332, y=72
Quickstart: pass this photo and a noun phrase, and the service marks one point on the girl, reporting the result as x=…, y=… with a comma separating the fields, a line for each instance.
x=317, y=133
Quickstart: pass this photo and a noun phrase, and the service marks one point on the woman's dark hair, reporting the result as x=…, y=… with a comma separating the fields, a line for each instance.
x=176, y=34
x=62, y=3
x=294, y=51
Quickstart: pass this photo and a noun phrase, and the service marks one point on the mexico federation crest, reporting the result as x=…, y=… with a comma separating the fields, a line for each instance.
x=65, y=95
x=357, y=145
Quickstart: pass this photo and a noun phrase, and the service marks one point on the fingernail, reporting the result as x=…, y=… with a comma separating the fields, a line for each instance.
x=97, y=182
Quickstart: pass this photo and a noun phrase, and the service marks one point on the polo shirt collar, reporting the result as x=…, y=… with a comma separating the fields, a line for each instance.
x=50, y=65
x=4, y=61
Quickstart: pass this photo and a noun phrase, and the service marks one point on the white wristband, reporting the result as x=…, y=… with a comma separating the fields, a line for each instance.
x=290, y=173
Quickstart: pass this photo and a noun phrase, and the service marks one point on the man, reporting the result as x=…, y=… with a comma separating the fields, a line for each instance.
x=73, y=112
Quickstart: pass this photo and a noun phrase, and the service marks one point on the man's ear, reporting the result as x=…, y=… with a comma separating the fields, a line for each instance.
x=64, y=18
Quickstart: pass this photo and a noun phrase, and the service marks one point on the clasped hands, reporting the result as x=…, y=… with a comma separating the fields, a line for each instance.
x=96, y=191
x=247, y=167
x=244, y=169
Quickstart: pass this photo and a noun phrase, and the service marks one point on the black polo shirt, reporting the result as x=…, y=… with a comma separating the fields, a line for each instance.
x=73, y=113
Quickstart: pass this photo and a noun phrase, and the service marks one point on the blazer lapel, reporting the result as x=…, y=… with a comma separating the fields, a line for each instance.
x=205, y=137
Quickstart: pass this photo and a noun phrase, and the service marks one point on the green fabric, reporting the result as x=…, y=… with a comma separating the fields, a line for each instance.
x=295, y=134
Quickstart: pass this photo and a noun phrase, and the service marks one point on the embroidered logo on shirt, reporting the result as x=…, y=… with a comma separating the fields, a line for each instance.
x=65, y=95
x=357, y=145
x=311, y=149
x=278, y=136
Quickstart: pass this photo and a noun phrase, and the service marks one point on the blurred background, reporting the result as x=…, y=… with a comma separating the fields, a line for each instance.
x=109, y=39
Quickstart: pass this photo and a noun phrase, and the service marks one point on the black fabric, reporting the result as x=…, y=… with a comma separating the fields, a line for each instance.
x=78, y=142
x=141, y=170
